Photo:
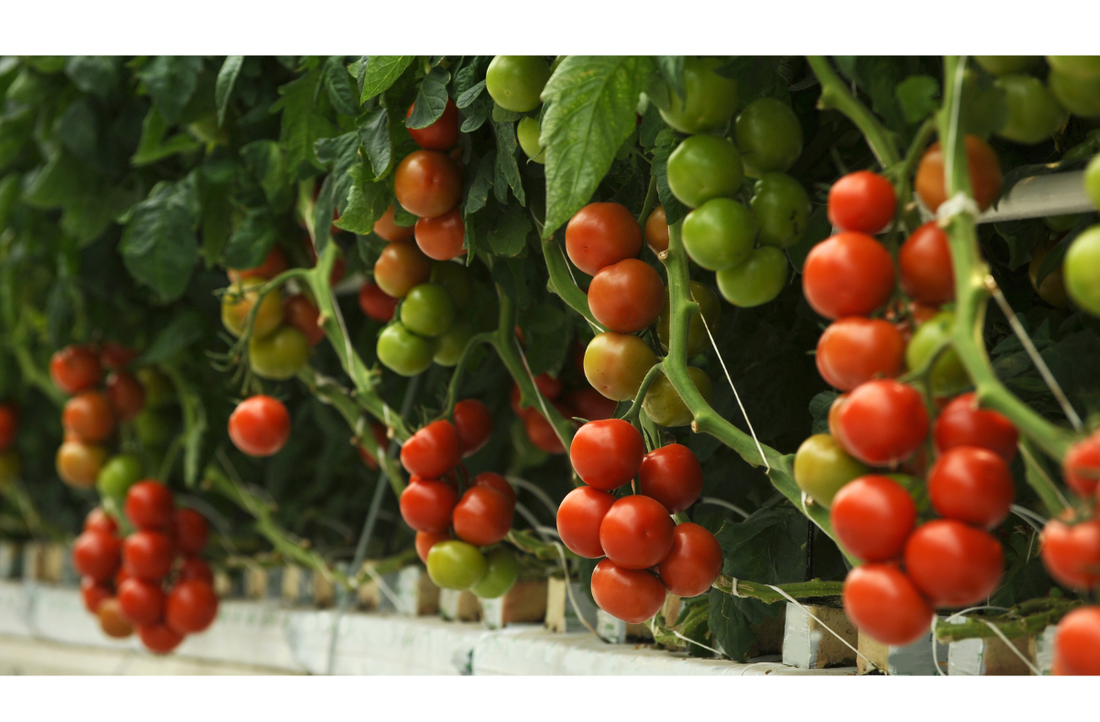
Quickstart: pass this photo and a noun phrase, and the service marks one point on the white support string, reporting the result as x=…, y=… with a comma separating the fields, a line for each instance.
x=653, y=631
x=569, y=591
x=1011, y=646
x=538, y=493
x=1039, y=470
x=387, y=592
x=1035, y=521
x=801, y=606
x=722, y=502
x=736, y=395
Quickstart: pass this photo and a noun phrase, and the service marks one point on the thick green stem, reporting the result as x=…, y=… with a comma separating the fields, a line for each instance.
x=649, y=202
x=460, y=370
x=1011, y=624
x=835, y=95
x=973, y=284
x=631, y=414
x=801, y=590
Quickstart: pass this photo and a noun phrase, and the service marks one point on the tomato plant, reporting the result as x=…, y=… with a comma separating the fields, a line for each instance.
x=873, y=517
x=849, y=274
x=822, y=467
x=769, y=136
x=626, y=296
x=854, y=350
x=427, y=183
x=883, y=422
x=440, y=135
x=632, y=595
x=616, y=363
x=602, y=234
x=259, y=426
x=704, y=167
x=709, y=99
x=782, y=209
x=515, y=81
x=925, y=266
x=719, y=234
x=607, y=454
x=636, y=532
x=672, y=476
x=953, y=565
x=862, y=201
x=972, y=485
x=456, y=565
x=693, y=561
x=882, y=601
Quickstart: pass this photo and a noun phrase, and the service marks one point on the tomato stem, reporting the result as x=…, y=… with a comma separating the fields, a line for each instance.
x=835, y=95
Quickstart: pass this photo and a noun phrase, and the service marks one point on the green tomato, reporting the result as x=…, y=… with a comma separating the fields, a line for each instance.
x=709, y=101
x=782, y=208
x=10, y=467
x=1082, y=270
x=159, y=390
x=453, y=343
x=515, y=82
x=119, y=473
x=1080, y=96
x=1062, y=224
x=769, y=137
x=501, y=575
x=152, y=427
x=456, y=565
x=1033, y=111
x=822, y=467
x=719, y=234
x=1006, y=64
x=663, y=404
x=238, y=301
x=1092, y=181
x=948, y=376
x=279, y=355
x=1079, y=66
x=527, y=131
x=698, y=341
x=428, y=310
x=454, y=277
x=704, y=167
x=756, y=281
x=404, y=352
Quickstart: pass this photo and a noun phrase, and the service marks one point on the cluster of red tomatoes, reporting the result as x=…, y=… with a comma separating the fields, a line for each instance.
x=152, y=580
x=428, y=184
x=283, y=330
x=645, y=552
x=743, y=244
x=579, y=401
x=9, y=429
x=92, y=415
x=453, y=532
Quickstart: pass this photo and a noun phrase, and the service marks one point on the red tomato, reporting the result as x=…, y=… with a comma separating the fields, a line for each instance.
x=192, y=607
x=425, y=541
x=607, y=454
x=926, y=271
x=1072, y=553
x=872, y=517
x=884, y=603
x=89, y=416
x=862, y=201
x=259, y=426
x=100, y=520
x=601, y=234
x=375, y=303
x=440, y=135
x=474, y=425
x=147, y=555
x=387, y=230
x=671, y=475
x=111, y=620
x=427, y=183
x=399, y=268
x=549, y=386
x=656, y=230
x=192, y=532
x=626, y=296
x=115, y=356
x=432, y=451
x=149, y=505
x=483, y=516
x=94, y=593
x=159, y=638
x=849, y=274
x=579, y=517
x=1077, y=642
x=693, y=562
x=1081, y=467
x=541, y=432
x=953, y=564
x=299, y=312
x=981, y=161
x=126, y=394
x=194, y=568
x=75, y=368
x=96, y=554
x=972, y=485
x=834, y=421
x=9, y=425
x=962, y=423
x=636, y=532
x=141, y=602
x=590, y=404
x=426, y=505
x=441, y=237
x=633, y=596
x=494, y=480
x=855, y=350
x=882, y=422
x=272, y=266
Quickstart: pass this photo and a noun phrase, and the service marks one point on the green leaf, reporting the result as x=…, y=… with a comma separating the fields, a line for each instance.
x=672, y=71
x=374, y=134
x=338, y=155
x=79, y=130
x=9, y=194
x=1022, y=238
x=216, y=220
x=917, y=97
x=591, y=105
x=730, y=620
x=380, y=72
x=878, y=77
x=1053, y=259
x=159, y=246
x=477, y=113
x=267, y=164
x=431, y=99
x=507, y=169
x=667, y=140
x=755, y=75
x=187, y=328
x=367, y=202
x=154, y=147
x=171, y=81
x=302, y=124
x=15, y=131
x=223, y=88
x=63, y=180
x=467, y=98
x=507, y=236
x=478, y=194
x=252, y=239
x=819, y=410
x=340, y=86
x=95, y=74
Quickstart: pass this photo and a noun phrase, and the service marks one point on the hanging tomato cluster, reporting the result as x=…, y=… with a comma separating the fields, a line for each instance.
x=635, y=533
x=153, y=580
